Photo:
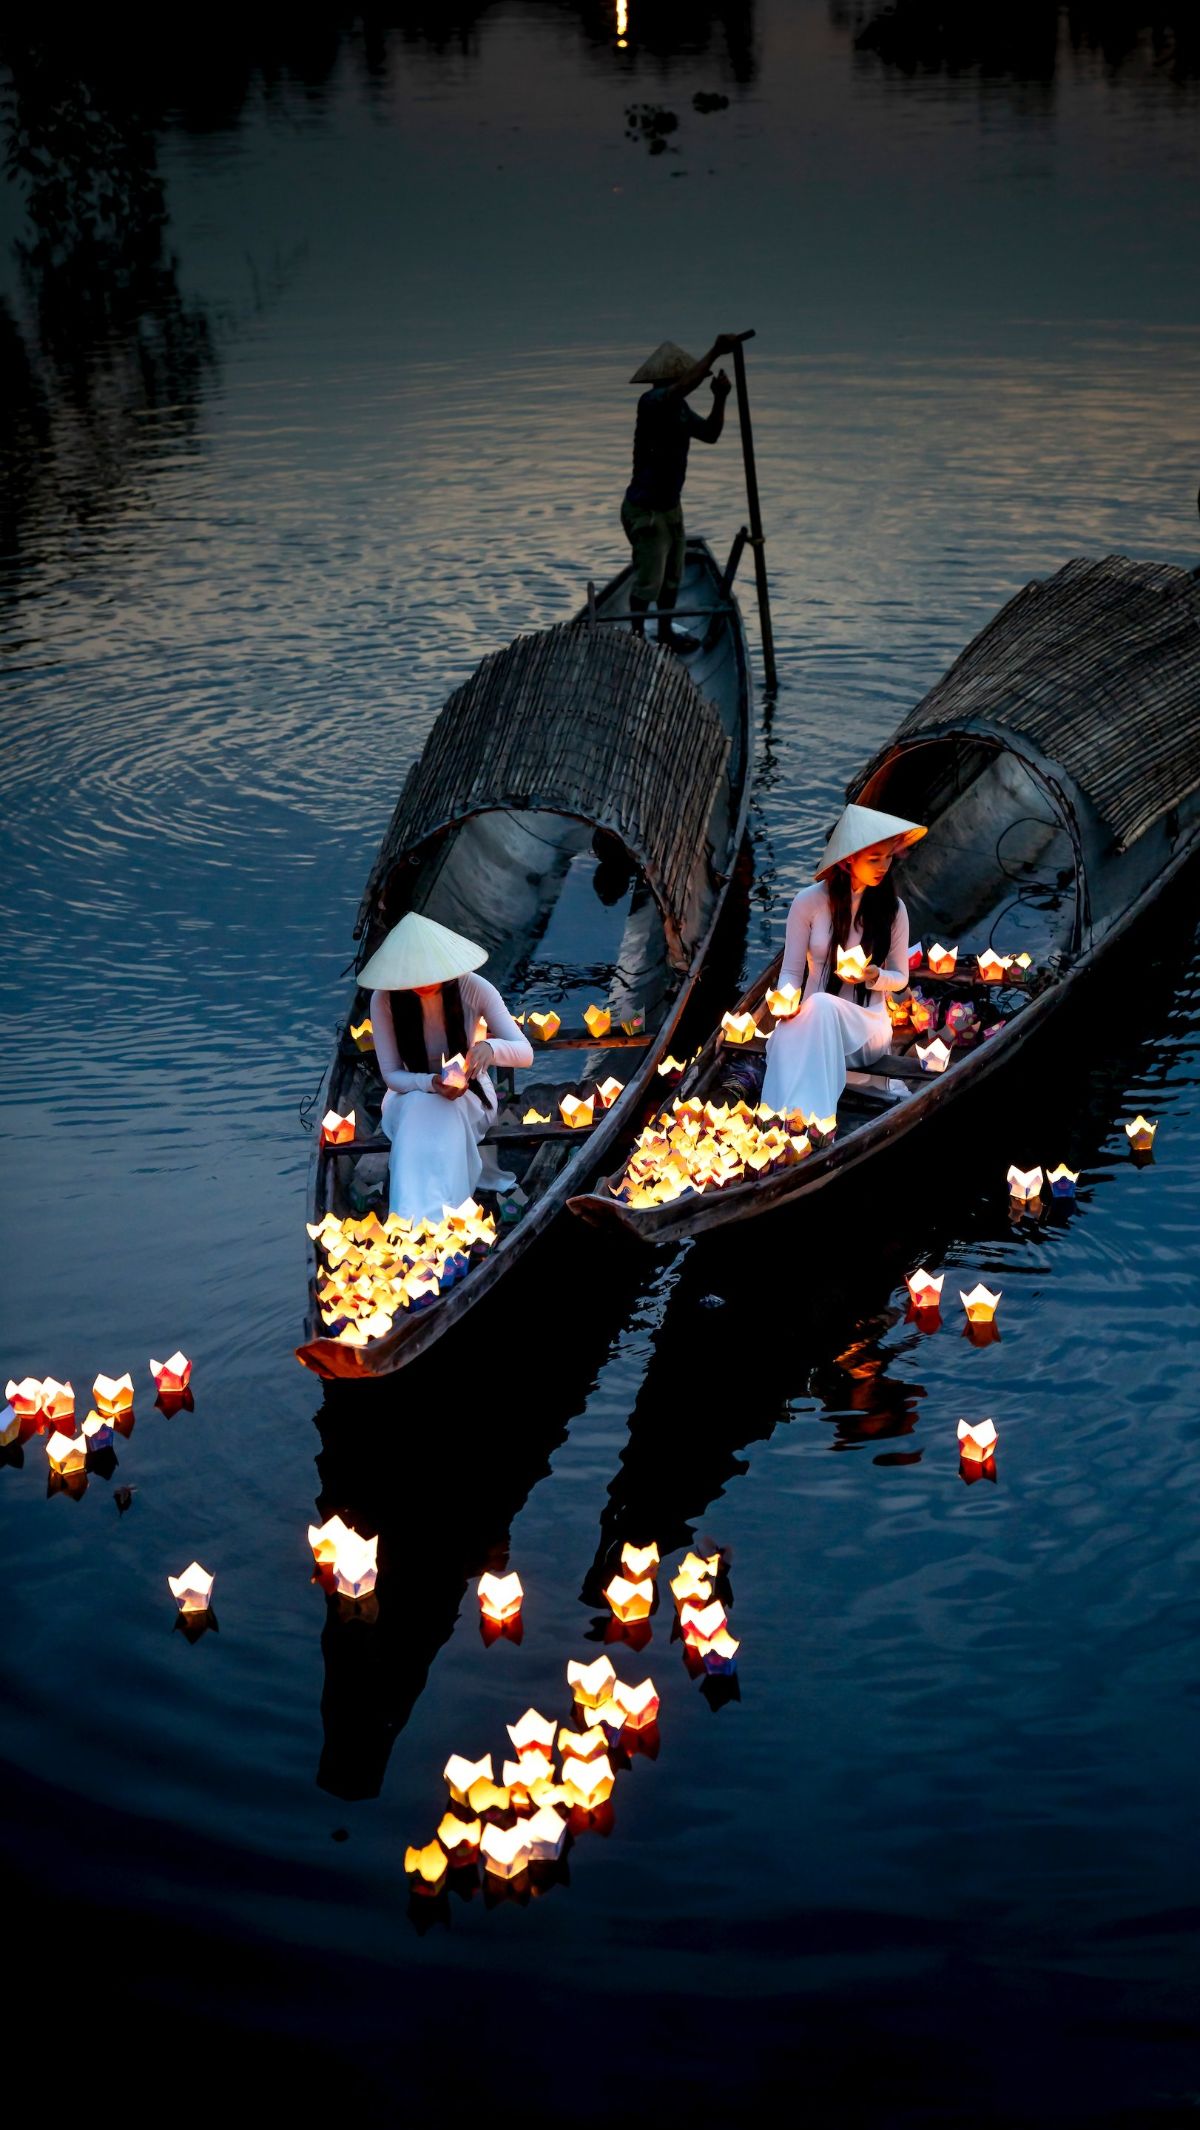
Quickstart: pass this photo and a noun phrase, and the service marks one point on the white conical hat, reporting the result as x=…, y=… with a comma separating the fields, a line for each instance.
x=665, y=367
x=859, y=827
x=418, y=951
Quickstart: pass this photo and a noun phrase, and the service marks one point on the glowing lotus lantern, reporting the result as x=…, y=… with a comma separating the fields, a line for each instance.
x=534, y=1116
x=933, y=1057
x=545, y=1026
x=785, y=1002
x=363, y=1035
x=638, y=1561
x=485, y=1797
x=920, y=1013
x=454, y=1072
x=671, y=1068
x=701, y=1622
x=588, y=1783
x=1140, y=1133
x=326, y=1538
x=924, y=1288
x=639, y=1703
x=337, y=1130
x=1062, y=1181
x=916, y=954
x=58, y=1400
x=738, y=1027
x=113, y=1394
x=597, y=1020
x=505, y=1850
x=976, y=1441
x=635, y=1024
x=192, y=1591
x=576, y=1113
x=461, y=1774
x=97, y=1431
x=719, y=1652
x=25, y=1398
x=630, y=1601
x=545, y=1834
x=961, y=1018
x=460, y=1839
x=427, y=1867
x=851, y=965
x=898, y=1008
x=689, y=1588
x=527, y=1769
x=1018, y=968
x=355, y=1567
x=173, y=1375
x=533, y=1734
x=608, y=1090
x=583, y=1745
x=821, y=1129
x=1024, y=1184
x=66, y=1453
x=992, y=967
x=591, y=1683
x=942, y=960
x=979, y=1304
x=500, y=1597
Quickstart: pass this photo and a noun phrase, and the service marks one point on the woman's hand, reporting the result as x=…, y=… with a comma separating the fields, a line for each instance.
x=870, y=975
x=441, y=1087
x=478, y=1058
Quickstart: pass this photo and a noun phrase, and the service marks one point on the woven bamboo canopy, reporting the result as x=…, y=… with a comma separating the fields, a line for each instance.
x=1099, y=668
x=595, y=723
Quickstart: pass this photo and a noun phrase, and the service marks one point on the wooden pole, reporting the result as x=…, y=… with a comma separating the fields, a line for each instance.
x=756, y=530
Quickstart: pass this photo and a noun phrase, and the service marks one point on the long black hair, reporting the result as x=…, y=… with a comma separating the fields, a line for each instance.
x=877, y=915
x=409, y=1025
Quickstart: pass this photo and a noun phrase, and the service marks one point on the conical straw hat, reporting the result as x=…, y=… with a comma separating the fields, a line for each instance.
x=418, y=951
x=859, y=827
x=665, y=367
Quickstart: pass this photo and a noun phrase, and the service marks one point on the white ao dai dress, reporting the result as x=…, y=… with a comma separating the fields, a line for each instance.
x=807, y=1056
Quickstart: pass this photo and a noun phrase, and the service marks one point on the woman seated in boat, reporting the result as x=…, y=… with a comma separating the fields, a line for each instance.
x=428, y=1006
x=853, y=903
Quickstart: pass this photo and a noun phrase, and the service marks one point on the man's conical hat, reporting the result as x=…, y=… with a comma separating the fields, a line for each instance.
x=859, y=828
x=665, y=367
x=418, y=951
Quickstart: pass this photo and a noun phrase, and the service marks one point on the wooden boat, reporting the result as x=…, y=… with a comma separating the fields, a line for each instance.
x=1057, y=765
x=578, y=808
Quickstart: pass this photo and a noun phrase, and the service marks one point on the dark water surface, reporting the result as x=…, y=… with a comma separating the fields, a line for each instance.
x=314, y=361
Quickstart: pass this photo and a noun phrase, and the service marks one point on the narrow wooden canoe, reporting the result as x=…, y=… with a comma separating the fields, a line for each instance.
x=578, y=808
x=1057, y=765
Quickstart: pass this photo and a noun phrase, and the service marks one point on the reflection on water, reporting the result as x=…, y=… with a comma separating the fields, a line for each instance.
x=315, y=351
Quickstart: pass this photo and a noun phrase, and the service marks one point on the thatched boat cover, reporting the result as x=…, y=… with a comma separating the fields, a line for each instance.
x=1099, y=667
x=595, y=723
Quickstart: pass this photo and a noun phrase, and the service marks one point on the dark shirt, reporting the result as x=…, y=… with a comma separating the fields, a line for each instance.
x=665, y=428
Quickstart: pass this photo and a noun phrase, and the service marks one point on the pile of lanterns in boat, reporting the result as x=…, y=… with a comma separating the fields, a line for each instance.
x=376, y=1268
x=44, y=1406
x=702, y=1146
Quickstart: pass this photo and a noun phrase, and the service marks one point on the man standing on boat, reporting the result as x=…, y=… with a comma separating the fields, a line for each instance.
x=651, y=512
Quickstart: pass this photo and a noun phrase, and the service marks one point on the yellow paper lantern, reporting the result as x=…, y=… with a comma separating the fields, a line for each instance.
x=113, y=1394
x=980, y=1305
x=738, y=1027
x=460, y=1838
x=630, y=1601
x=545, y=1026
x=461, y=1773
x=505, y=1850
x=608, y=1090
x=850, y=965
x=785, y=1002
x=588, y=1783
x=337, y=1130
x=575, y=1112
x=534, y=1116
x=992, y=967
x=500, y=1596
x=591, y=1683
x=363, y=1035
x=66, y=1453
x=977, y=1441
x=942, y=960
x=925, y=1288
x=426, y=1867
x=638, y=1561
x=532, y=1734
x=58, y=1400
x=640, y=1703
x=597, y=1020
x=1140, y=1133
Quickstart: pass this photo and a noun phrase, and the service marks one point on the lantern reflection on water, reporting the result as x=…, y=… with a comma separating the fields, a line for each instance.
x=172, y=1375
x=500, y=1596
x=638, y=1561
x=630, y=1601
x=597, y=1019
x=925, y=1289
x=1025, y=1184
x=977, y=1441
x=545, y=1026
x=979, y=1304
x=192, y=1591
x=337, y=1130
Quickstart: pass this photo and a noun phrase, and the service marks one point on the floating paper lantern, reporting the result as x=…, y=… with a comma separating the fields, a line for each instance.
x=591, y=1683
x=545, y=1026
x=597, y=1020
x=688, y=1588
x=719, y=1652
x=1024, y=1184
x=25, y=1398
x=976, y=1441
x=588, y=1782
x=1140, y=1133
x=113, y=1394
x=942, y=960
x=583, y=1745
x=630, y=1601
x=461, y=1773
x=738, y=1027
x=608, y=1715
x=992, y=967
x=851, y=965
x=925, y=1288
x=67, y=1453
x=98, y=1431
x=608, y=1090
x=172, y=1375
x=460, y=1839
x=576, y=1113
x=533, y=1734
x=933, y=1057
x=355, y=1567
x=337, y=1130
x=701, y=1622
x=527, y=1769
x=545, y=1834
x=638, y=1561
x=500, y=1596
x=1062, y=1181
x=640, y=1703
x=192, y=1591
x=670, y=1068
x=454, y=1072
x=363, y=1036
x=534, y=1116
x=486, y=1797
x=326, y=1538
x=427, y=1867
x=979, y=1304
x=785, y=1002
x=505, y=1850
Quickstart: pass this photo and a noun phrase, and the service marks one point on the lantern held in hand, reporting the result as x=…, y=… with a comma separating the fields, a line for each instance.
x=785, y=1002
x=851, y=965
